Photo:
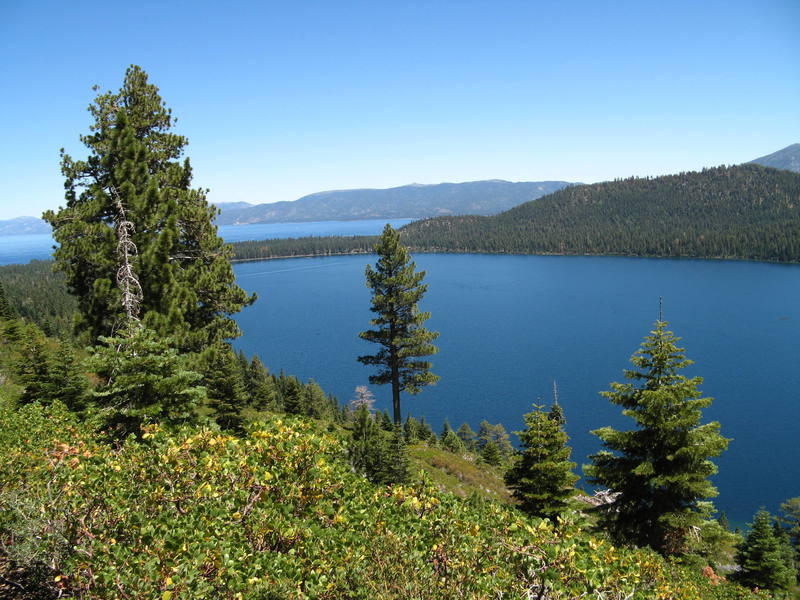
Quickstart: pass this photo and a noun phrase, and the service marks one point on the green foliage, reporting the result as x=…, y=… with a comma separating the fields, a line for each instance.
x=143, y=380
x=182, y=265
x=765, y=559
x=37, y=293
x=745, y=212
x=6, y=311
x=789, y=520
x=260, y=386
x=496, y=435
x=396, y=290
x=491, y=453
x=225, y=386
x=468, y=437
x=48, y=370
x=542, y=477
x=661, y=469
x=197, y=513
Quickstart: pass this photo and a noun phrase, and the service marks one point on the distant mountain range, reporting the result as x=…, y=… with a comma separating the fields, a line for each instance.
x=23, y=226
x=409, y=201
x=787, y=159
x=748, y=212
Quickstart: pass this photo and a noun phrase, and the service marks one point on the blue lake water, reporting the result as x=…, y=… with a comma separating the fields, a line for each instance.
x=23, y=248
x=510, y=325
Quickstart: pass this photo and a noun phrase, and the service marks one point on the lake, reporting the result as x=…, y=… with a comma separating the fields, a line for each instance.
x=510, y=325
x=23, y=248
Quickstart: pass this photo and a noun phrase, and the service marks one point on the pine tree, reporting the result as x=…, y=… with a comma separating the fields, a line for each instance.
x=260, y=386
x=364, y=449
x=318, y=403
x=763, y=557
x=188, y=287
x=542, y=477
x=452, y=443
x=411, y=430
x=491, y=453
x=225, y=385
x=468, y=437
x=33, y=367
x=661, y=469
x=144, y=380
x=6, y=312
x=66, y=381
x=789, y=519
x=396, y=290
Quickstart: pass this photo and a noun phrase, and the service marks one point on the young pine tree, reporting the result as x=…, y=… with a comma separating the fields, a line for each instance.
x=396, y=290
x=143, y=380
x=468, y=437
x=765, y=558
x=542, y=477
x=660, y=469
x=225, y=385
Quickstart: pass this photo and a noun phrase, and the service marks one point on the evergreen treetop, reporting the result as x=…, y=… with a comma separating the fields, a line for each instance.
x=396, y=289
x=188, y=287
x=542, y=477
x=661, y=468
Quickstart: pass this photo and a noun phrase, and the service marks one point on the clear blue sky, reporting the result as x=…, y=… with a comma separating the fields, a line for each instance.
x=283, y=99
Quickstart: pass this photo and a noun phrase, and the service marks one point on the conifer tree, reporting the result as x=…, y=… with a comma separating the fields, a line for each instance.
x=765, y=558
x=188, y=287
x=66, y=382
x=468, y=437
x=225, y=386
x=660, y=469
x=295, y=401
x=260, y=386
x=33, y=367
x=396, y=290
x=6, y=312
x=411, y=430
x=542, y=477
x=364, y=449
x=143, y=380
x=452, y=443
x=491, y=453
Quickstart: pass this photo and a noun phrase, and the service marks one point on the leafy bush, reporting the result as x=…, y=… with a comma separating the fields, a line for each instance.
x=195, y=513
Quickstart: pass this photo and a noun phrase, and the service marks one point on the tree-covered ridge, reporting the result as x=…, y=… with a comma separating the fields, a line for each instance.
x=744, y=212
x=39, y=294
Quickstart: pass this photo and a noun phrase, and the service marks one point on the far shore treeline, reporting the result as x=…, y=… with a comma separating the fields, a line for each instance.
x=745, y=212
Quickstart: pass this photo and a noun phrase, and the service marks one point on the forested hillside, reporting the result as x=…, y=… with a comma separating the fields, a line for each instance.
x=744, y=212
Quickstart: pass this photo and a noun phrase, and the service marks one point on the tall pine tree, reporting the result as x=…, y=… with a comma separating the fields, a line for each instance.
x=660, y=470
x=188, y=287
x=396, y=289
x=542, y=477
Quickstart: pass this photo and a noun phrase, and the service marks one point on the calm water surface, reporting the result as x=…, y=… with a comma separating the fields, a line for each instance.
x=23, y=248
x=510, y=325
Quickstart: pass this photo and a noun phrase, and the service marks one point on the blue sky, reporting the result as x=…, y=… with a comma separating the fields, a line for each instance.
x=283, y=99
